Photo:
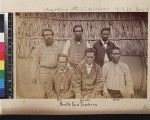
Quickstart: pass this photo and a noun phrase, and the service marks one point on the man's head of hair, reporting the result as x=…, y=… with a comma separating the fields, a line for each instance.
x=114, y=48
x=90, y=50
x=76, y=27
x=44, y=30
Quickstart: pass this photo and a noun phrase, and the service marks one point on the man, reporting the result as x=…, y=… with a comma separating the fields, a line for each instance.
x=103, y=47
x=118, y=82
x=75, y=48
x=59, y=84
x=88, y=79
x=44, y=60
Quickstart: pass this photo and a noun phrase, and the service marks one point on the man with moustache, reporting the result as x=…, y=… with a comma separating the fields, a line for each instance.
x=103, y=47
x=76, y=47
x=87, y=78
x=59, y=84
x=44, y=60
x=118, y=82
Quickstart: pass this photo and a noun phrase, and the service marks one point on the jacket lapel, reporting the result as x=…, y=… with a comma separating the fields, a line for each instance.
x=66, y=78
x=84, y=69
x=92, y=70
x=57, y=83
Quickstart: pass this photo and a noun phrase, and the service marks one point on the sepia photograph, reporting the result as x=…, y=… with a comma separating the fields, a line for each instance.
x=81, y=55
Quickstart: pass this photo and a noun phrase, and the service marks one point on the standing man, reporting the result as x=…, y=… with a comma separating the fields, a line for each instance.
x=59, y=84
x=76, y=47
x=88, y=79
x=103, y=47
x=118, y=82
x=44, y=60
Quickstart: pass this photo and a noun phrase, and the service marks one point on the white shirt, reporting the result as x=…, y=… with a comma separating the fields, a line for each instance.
x=104, y=43
x=63, y=80
x=117, y=77
x=112, y=78
x=89, y=67
x=106, y=59
x=114, y=83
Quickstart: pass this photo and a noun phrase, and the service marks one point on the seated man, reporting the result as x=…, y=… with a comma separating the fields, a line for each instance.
x=118, y=82
x=59, y=84
x=87, y=79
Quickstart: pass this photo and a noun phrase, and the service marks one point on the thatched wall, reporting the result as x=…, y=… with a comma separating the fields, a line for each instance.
x=128, y=30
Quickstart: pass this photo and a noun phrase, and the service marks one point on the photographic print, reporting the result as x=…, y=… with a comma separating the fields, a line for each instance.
x=81, y=55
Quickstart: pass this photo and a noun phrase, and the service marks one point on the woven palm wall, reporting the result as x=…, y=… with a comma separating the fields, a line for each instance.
x=128, y=30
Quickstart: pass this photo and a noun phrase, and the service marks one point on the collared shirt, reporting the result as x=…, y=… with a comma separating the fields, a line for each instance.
x=78, y=43
x=106, y=59
x=62, y=82
x=89, y=67
x=45, y=56
x=117, y=76
x=61, y=71
x=104, y=43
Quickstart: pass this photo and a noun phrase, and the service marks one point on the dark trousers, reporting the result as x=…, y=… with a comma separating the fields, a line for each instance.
x=115, y=93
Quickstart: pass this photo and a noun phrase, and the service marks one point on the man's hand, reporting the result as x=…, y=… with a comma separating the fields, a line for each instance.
x=85, y=97
x=106, y=95
x=132, y=95
x=92, y=95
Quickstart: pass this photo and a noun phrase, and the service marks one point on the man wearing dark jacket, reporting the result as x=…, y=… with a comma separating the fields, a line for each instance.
x=103, y=47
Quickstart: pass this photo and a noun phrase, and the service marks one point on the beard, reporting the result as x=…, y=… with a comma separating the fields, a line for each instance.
x=49, y=42
x=115, y=60
x=105, y=39
x=78, y=38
